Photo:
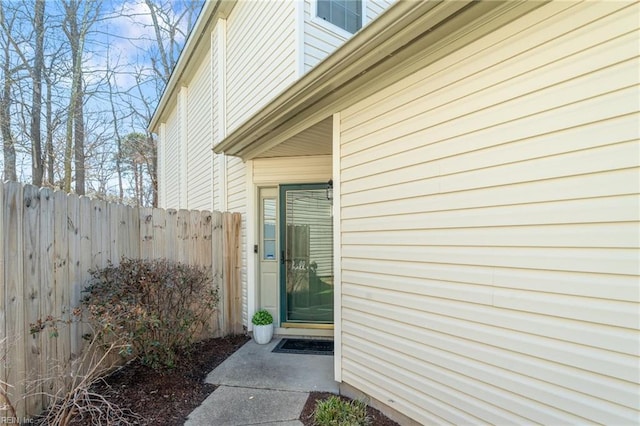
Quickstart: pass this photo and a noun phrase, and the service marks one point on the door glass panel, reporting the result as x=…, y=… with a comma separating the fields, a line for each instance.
x=308, y=255
x=269, y=229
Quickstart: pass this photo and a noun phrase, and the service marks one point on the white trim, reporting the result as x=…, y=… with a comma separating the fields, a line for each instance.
x=221, y=80
x=252, y=223
x=331, y=26
x=183, y=142
x=222, y=185
x=212, y=102
x=299, y=17
x=337, y=253
x=365, y=15
x=162, y=165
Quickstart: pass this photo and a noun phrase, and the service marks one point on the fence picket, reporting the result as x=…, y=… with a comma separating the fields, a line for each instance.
x=63, y=241
x=32, y=295
x=3, y=317
x=48, y=243
x=159, y=221
x=48, y=305
x=146, y=232
x=216, y=268
x=183, y=235
x=14, y=294
x=232, y=271
x=170, y=233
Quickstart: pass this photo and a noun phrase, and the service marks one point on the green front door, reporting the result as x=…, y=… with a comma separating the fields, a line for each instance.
x=306, y=255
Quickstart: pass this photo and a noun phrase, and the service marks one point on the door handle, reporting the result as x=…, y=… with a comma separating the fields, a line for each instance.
x=283, y=260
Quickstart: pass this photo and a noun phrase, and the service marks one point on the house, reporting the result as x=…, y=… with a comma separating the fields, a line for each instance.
x=452, y=194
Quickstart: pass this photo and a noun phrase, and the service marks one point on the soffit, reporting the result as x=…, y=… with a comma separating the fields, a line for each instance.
x=314, y=140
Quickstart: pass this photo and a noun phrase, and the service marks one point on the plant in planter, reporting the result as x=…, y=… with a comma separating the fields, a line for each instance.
x=262, y=327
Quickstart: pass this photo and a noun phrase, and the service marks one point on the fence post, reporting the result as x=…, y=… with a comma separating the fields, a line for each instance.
x=232, y=271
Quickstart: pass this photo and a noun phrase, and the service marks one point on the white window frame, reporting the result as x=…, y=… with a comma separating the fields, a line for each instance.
x=333, y=27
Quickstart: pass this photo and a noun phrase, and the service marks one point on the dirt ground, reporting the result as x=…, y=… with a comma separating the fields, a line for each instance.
x=168, y=397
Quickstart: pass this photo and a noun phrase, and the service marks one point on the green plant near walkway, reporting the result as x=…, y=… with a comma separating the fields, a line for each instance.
x=161, y=307
x=335, y=411
x=262, y=317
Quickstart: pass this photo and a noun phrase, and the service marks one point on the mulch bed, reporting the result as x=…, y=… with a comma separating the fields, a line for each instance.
x=168, y=397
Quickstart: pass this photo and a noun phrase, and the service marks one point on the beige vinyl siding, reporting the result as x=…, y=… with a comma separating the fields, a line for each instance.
x=489, y=217
x=282, y=170
x=199, y=154
x=261, y=56
x=172, y=161
x=320, y=39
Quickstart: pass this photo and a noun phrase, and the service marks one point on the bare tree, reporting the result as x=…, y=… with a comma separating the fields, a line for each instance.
x=79, y=16
x=36, y=99
x=171, y=23
x=116, y=127
x=9, y=149
x=67, y=107
x=170, y=29
x=53, y=117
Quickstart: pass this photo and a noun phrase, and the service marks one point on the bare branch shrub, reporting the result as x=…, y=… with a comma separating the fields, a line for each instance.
x=6, y=404
x=160, y=307
x=75, y=397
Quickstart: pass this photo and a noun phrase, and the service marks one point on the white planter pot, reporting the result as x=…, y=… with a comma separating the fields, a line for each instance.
x=262, y=334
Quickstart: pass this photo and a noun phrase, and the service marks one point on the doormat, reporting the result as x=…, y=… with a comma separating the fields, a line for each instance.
x=305, y=347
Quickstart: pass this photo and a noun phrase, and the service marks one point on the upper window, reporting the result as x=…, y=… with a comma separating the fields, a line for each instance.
x=346, y=14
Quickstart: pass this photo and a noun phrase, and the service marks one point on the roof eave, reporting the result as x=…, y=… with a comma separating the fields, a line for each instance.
x=405, y=30
x=324, y=74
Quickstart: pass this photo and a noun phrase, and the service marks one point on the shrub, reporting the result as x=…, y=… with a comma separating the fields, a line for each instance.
x=158, y=305
x=73, y=398
x=335, y=411
x=262, y=317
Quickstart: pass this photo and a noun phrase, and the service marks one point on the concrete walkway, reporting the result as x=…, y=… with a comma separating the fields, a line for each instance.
x=259, y=387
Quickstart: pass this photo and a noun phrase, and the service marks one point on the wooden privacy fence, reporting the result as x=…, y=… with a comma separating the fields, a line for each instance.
x=48, y=242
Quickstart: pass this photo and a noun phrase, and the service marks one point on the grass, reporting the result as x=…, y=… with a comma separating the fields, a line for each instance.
x=335, y=411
